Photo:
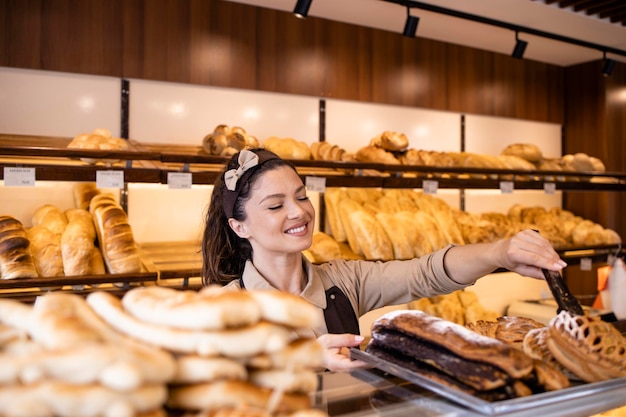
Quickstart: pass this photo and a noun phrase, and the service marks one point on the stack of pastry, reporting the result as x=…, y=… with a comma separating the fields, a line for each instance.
x=399, y=223
x=63, y=242
x=390, y=224
x=98, y=139
x=234, y=349
x=60, y=359
x=583, y=348
x=226, y=140
x=383, y=148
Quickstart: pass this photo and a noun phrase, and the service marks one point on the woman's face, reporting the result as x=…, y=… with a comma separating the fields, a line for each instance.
x=279, y=216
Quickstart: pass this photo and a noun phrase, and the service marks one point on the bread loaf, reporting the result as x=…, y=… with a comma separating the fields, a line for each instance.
x=50, y=217
x=390, y=141
x=371, y=237
x=83, y=193
x=77, y=243
x=115, y=236
x=46, y=251
x=288, y=148
x=527, y=151
x=376, y=155
x=16, y=260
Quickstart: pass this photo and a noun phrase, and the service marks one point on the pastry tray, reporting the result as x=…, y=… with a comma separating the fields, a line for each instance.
x=584, y=391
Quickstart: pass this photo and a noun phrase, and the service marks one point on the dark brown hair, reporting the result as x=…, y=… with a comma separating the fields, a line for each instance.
x=224, y=254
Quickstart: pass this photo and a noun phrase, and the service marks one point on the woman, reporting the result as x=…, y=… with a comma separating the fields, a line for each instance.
x=260, y=220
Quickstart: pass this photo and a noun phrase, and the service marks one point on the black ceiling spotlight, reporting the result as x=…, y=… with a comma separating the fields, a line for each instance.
x=410, y=26
x=609, y=64
x=302, y=8
x=520, y=47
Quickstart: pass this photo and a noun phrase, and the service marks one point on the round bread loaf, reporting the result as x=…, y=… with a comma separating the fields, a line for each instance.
x=527, y=151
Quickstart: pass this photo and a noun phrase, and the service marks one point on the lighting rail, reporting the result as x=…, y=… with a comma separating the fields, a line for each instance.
x=506, y=25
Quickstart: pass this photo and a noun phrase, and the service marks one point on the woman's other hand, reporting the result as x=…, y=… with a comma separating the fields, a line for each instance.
x=337, y=351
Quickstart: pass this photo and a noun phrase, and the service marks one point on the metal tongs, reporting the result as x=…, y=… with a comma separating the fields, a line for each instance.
x=562, y=295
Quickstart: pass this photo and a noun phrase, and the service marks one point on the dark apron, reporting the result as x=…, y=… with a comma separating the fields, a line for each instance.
x=338, y=314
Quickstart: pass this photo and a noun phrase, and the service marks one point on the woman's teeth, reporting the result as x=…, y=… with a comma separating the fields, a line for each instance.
x=296, y=230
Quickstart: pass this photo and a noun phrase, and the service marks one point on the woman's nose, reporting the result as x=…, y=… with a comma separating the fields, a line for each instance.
x=295, y=210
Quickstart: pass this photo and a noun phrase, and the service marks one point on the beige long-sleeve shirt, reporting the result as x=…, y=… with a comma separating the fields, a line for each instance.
x=368, y=285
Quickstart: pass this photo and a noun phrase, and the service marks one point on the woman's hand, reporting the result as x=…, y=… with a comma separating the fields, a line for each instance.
x=337, y=351
x=527, y=253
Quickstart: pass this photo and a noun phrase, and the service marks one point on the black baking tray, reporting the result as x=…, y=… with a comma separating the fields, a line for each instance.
x=596, y=391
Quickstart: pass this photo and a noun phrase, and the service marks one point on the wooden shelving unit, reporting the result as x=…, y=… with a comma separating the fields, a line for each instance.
x=179, y=263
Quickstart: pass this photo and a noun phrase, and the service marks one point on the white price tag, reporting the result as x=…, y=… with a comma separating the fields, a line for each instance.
x=19, y=177
x=506, y=187
x=430, y=186
x=315, y=184
x=179, y=180
x=549, y=187
x=110, y=179
x=585, y=264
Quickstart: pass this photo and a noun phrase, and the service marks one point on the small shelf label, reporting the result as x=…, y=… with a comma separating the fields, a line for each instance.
x=549, y=187
x=110, y=179
x=506, y=187
x=315, y=184
x=19, y=177
x=179, y=180
x=585, y=264
x=430, y=186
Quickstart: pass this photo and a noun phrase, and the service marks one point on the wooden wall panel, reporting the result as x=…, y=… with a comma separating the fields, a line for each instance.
x=226, y=44
x=20, y=22
x=81, y=36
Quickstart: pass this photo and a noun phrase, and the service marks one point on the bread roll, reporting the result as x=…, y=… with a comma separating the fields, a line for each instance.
x=46, y=251
x=390, y=141
x=527, y=151
x=324, y=248
x=15, y=256
x=50, y=217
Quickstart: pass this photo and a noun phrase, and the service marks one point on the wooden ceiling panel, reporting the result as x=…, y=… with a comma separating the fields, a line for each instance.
x=612, y=10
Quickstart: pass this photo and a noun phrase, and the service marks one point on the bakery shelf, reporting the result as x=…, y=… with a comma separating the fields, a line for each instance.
x=151, y=163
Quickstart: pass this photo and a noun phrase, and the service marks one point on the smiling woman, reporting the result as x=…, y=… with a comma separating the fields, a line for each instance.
x=260, y=221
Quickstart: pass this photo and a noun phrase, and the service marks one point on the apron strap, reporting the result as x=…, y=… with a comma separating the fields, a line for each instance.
x=339, y=314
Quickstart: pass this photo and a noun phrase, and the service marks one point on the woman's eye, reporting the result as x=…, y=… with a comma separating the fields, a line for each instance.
x=276, y=207
x=303, y=198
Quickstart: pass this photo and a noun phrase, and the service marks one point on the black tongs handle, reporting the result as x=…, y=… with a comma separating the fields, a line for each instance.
x=564, y=298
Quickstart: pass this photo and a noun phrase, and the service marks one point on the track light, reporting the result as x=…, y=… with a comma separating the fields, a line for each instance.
x=410, y=26
x=302, y=8
x=609, y=64
x=520, y=47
